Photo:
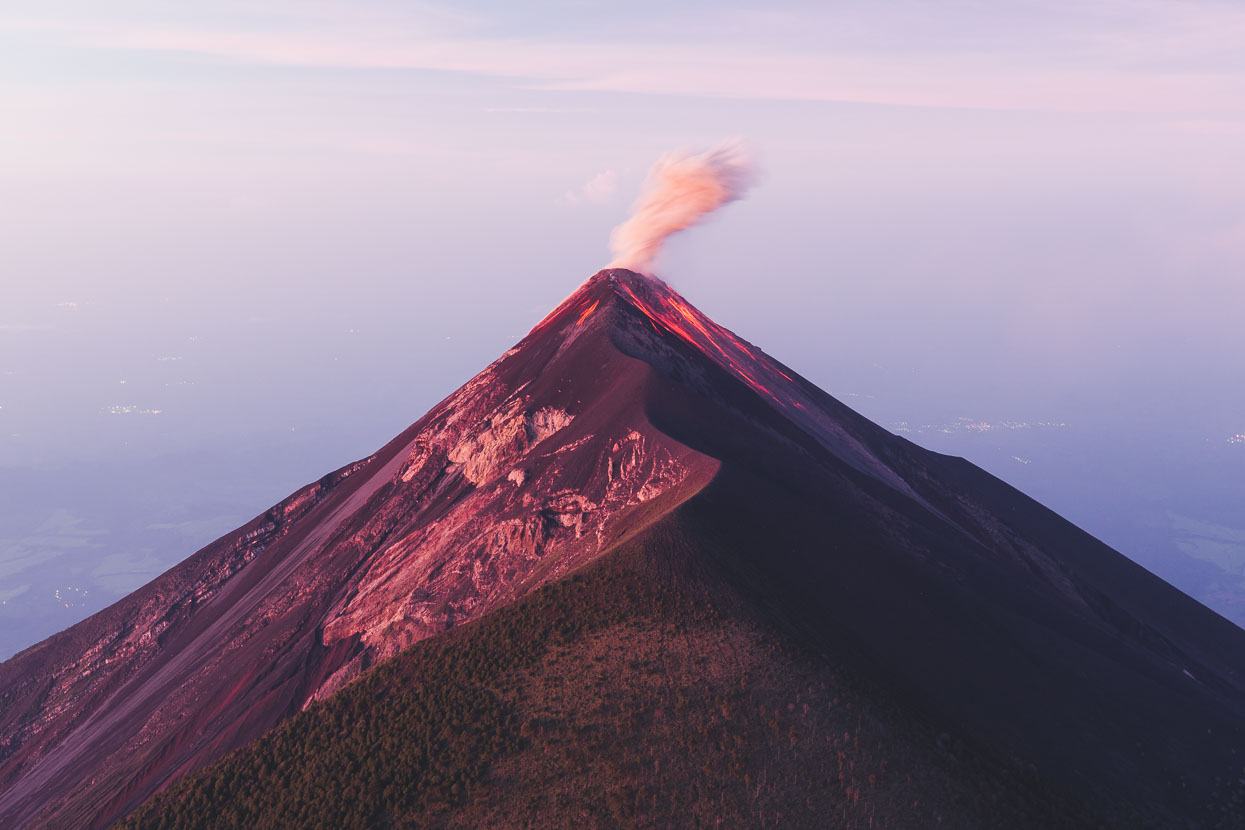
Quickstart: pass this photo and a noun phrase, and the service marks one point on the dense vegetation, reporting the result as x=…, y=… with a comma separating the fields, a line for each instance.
x=627, y=695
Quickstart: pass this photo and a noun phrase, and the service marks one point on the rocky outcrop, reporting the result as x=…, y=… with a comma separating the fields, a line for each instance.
x=624, y=410
x=561, y=505
x=533, y=467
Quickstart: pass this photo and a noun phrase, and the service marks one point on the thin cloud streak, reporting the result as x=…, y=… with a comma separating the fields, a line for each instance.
x=543, y=110
x=1100, y=74
x=22, y=327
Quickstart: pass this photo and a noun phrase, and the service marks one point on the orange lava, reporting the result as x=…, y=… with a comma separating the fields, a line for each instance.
x=683, y=320
x=587, y=311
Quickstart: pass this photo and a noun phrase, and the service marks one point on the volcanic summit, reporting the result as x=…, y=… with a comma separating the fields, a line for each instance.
x=636, y=517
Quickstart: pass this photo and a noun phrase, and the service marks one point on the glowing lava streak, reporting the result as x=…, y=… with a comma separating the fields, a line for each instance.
x=588, y=311
x=678, y=317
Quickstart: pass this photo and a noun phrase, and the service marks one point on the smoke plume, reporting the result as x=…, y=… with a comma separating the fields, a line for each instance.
x=681, y=189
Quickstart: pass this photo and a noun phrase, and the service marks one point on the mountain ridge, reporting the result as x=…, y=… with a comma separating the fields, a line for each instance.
x=161, y=636
x=622, y=407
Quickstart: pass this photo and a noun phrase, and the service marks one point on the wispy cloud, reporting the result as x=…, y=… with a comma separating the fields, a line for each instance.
x=599, y=190
x=62, y=532
x=1159, y=57
x=7, y=594
x=543, y=110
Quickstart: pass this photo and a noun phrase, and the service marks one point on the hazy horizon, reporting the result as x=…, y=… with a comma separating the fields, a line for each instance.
x=247, y=244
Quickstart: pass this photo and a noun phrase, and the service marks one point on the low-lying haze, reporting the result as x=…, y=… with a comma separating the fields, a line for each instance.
x=246, y=244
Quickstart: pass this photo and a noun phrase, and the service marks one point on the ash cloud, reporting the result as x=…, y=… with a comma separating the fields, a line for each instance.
x=681, y=190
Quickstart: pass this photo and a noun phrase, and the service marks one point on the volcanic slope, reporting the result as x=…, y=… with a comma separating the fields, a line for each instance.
x=977, y=614
x=641, y=691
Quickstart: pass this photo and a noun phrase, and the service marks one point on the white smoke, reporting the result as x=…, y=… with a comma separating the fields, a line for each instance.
x=680, y=190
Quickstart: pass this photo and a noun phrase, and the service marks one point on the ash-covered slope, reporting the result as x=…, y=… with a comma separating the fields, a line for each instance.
x=625, y=408
x=529, y=469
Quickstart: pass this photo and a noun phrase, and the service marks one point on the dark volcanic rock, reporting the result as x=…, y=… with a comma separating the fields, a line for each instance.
x=623, y=408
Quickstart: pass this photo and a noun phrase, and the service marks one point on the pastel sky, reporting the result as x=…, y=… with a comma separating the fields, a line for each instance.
x=244, y=243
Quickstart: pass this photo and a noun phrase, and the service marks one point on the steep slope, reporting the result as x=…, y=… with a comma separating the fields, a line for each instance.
x=971, y=605
x=641, y=691
x=531, y=468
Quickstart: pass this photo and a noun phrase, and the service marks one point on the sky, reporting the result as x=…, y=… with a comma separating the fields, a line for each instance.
x=242, y=244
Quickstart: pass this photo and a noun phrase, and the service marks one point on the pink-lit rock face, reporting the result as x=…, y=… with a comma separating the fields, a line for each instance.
x=537, y=464
x=522, y=498
x=623, y=410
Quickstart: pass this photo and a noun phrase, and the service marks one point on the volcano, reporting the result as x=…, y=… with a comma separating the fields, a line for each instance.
x=690, y=586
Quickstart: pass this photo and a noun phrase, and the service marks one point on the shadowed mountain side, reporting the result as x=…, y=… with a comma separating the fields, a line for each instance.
x=987, y=608
x=642, y=691
x=966, y=602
